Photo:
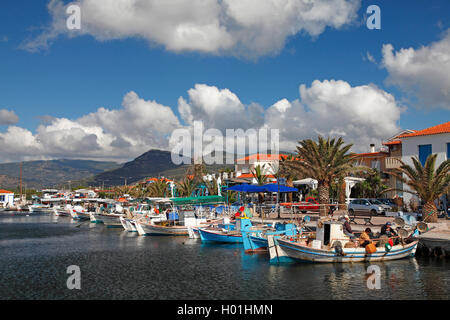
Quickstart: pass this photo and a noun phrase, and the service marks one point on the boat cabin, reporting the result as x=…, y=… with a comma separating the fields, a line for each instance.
x=329, y=232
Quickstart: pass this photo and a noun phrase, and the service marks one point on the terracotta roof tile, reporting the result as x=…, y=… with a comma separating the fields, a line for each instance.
x=440, y=128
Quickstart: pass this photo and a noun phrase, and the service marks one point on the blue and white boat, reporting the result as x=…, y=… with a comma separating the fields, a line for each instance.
x=256, y=239
x=330, y=246
x=225, y=232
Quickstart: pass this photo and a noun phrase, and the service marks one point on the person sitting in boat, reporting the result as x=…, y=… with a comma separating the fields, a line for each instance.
x=387, y=230
x=347, y=228
x=365, y=238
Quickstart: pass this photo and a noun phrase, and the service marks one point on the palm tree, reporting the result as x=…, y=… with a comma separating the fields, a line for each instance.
x=158, y=188
x=261, y=178
x=425, y=182
x=212, y=186
x=259, y=172
x=326, y=160
x=286, y=171
x=186, y=187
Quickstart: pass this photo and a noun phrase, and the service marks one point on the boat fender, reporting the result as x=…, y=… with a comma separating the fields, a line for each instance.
x=388, y=247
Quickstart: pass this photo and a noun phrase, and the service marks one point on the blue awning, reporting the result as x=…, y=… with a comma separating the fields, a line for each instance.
x=246, y=188
x=273, y=187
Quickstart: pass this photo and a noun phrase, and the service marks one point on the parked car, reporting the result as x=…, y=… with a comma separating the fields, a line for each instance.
x=381, y=203
x=389, y=202
x=365, y=207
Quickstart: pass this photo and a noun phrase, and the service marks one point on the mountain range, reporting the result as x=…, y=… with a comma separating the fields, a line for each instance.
x=50, y=173
x=58, y=173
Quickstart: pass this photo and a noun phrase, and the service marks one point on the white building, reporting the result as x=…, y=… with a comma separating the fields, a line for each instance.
x=422, y=143
x=268, y=162
x=6, y=198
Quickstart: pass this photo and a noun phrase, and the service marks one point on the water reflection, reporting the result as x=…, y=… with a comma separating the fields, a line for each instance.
x=122, y=265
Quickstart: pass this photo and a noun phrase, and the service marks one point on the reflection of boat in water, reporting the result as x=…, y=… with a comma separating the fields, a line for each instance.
x=332, y=245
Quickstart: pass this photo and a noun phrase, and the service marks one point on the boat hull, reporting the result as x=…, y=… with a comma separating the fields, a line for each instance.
x=219, y=236
x=152, y=229
x=110, y=221
x=303, y=253
x=128, y=224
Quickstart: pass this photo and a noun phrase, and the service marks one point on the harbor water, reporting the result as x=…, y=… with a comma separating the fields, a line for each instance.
x=36, y=250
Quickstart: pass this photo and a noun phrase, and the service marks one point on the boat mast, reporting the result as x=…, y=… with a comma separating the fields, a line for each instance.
x=20, y=181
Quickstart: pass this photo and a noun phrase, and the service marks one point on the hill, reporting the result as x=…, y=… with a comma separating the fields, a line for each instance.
x=50, y=173
x=153, y=163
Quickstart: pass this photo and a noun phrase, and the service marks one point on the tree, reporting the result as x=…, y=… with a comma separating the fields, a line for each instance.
x=186, y=187
x=158, y=189
x=372, y=187
x=212, y=186
x=326, y=160
x=286, y=171
x=425, y=182
x=259, y=172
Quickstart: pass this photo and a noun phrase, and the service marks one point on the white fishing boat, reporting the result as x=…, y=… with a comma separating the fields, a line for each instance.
x=128, y=224
x=331, y=245
x=40, y=208
x=79, y=213
x=110, y=220
x=160, y=225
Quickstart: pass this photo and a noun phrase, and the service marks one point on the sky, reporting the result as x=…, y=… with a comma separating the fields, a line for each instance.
x=138, y=69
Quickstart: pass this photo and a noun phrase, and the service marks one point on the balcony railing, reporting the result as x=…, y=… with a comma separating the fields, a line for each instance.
x=392, y=162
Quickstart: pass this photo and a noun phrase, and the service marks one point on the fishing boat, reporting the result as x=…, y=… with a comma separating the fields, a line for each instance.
x=180, y=217
x=128, y=224
x=110, y=220
x=79, y=213
x=61, y=210
x=329, y=244
x=225, y=232
x=40, y=208
x=173, y=226
x=255, y=239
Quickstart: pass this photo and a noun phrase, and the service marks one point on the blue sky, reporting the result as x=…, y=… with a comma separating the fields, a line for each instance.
x=75, y=76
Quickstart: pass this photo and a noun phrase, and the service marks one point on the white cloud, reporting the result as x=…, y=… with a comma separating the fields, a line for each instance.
x=362, y=114
x=423, y=73
x=239, y=27
x=105, y=134
x=8, y=117
x=220, y=109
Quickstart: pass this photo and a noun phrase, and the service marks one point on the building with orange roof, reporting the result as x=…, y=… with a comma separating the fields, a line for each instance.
x=419, y=144
x=6, y=198
x=269, y=162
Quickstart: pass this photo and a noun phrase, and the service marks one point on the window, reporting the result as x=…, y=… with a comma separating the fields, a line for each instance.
x=448, y=150
x=424, y=152
x=2, y=198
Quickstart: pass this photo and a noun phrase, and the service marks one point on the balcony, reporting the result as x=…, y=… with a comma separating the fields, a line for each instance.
x=392, y=162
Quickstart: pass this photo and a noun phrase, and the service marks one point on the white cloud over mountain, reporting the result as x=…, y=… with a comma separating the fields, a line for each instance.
x=423, y=73
x=105, y=134
x=248, y=28
x=362, y=114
